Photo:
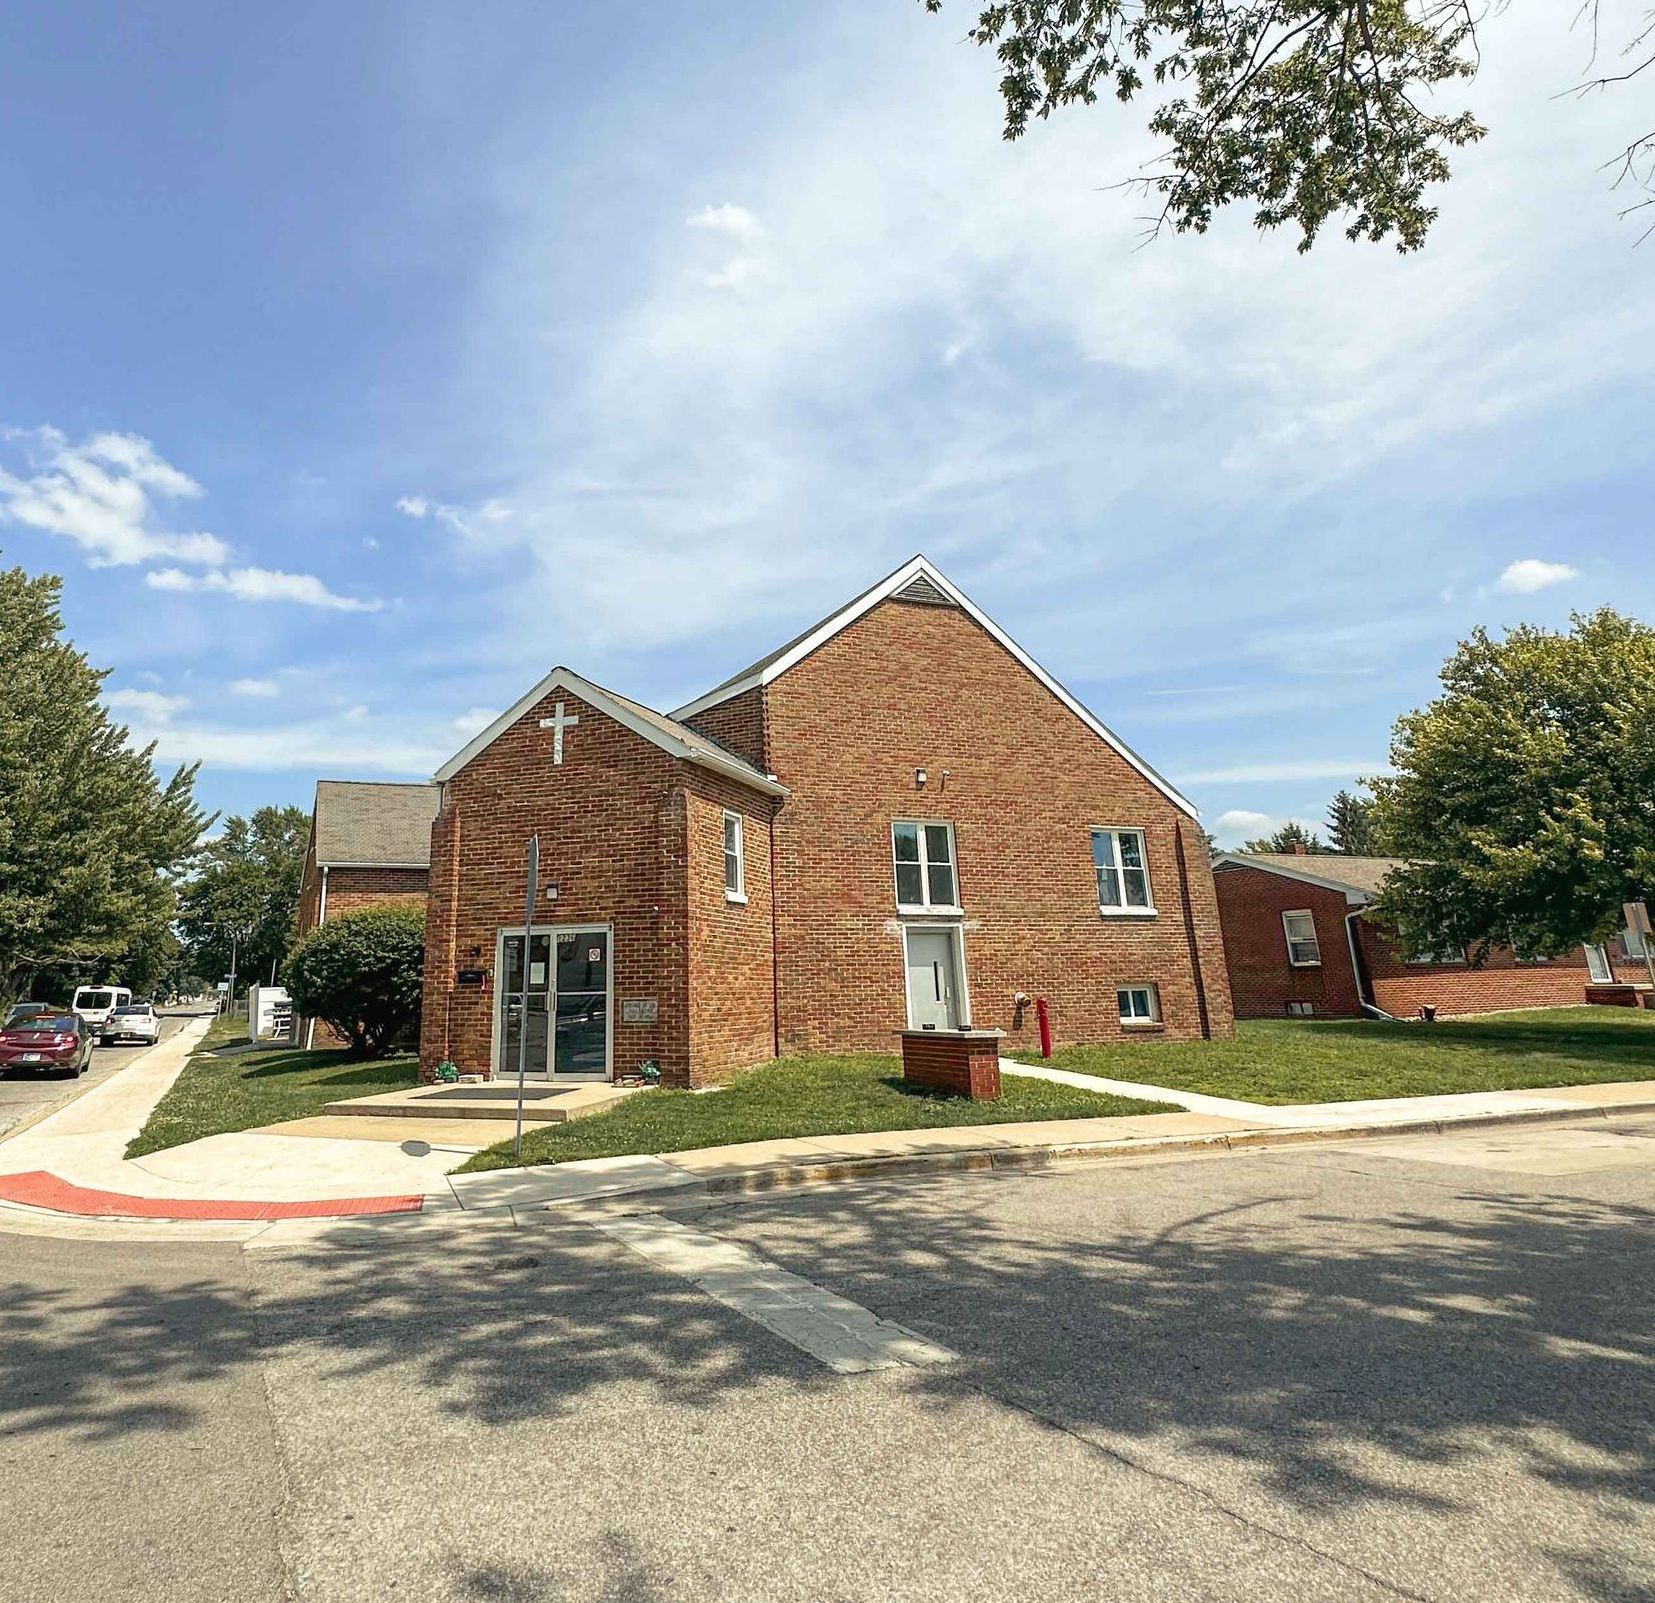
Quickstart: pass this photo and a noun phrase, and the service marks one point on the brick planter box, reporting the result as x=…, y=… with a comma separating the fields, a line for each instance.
x=1612, y=995
x=956, y=1062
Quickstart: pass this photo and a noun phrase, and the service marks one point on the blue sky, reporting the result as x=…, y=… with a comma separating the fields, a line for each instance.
x=357, y=371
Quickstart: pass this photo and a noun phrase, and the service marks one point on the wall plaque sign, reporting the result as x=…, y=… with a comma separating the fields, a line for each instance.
x=639, y=1010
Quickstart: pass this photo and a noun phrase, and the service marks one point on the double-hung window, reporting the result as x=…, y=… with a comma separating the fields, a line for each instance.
x=924, y=858
x=735, y=869
x=1122, y=870
x=1303, y=949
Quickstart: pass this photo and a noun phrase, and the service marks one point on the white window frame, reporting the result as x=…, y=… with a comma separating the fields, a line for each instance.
x=1440, y=959
x=1603, y=962
x=1301, y=1010
x=1315, y=939
x=1148, y=910
x=1153, y=992
x=920, y=825
x=738, y=893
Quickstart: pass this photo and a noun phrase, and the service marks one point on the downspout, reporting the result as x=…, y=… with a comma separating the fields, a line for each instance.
x=1189, y=934
x=1358, y=971
x=775, y=956
x=321, y=919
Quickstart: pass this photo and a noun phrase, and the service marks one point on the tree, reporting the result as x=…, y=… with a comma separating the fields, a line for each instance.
x=91, y=841
x=246, y=885
x=361, y=973
x=1526, y=791
x=1304, y=109
x=1350, y=825
x=1289, y=838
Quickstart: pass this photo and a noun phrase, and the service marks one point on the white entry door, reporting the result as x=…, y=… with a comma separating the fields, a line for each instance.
x=934, y=992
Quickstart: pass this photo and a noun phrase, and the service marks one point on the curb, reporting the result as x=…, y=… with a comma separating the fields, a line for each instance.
x=777, y=1177
x=788, y=1176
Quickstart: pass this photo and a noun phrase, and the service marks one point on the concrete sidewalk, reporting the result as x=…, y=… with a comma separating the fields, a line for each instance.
x=84, y=1145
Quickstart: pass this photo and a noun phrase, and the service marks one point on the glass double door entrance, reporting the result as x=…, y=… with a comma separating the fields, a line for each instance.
x=559, y=1001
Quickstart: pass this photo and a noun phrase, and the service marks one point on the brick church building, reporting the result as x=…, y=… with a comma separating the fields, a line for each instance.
x=898, y=819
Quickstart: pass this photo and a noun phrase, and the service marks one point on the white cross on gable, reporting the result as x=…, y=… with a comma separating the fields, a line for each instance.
x=557, y=723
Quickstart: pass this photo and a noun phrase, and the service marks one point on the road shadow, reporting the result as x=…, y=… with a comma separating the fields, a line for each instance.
x=1320, y=1360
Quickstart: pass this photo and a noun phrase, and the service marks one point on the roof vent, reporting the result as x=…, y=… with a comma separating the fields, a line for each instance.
x=924, y=592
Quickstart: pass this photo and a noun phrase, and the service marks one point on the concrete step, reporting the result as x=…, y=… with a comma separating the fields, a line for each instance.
x=542, y=1104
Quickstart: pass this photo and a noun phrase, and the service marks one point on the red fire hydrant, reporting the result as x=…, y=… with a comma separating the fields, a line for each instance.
x=1044, y=1020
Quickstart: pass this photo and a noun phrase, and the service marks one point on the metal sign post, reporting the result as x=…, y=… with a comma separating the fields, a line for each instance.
x=523, y=995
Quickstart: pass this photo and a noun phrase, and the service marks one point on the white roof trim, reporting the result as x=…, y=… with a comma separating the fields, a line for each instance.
x=1353, y=897
x=887, y=587
x=564, y=679
x=331, y=862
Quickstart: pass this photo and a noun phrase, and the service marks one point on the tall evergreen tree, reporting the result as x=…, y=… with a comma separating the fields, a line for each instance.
x=1350, y=825
x=91, y=841
x=1291, y=837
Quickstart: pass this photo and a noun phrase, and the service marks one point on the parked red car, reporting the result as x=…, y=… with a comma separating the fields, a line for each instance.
x=49, y=1043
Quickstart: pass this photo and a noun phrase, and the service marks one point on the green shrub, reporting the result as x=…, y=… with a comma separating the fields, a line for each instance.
x=361, y=973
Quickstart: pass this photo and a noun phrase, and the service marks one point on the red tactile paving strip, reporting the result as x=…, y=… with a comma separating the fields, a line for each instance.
x=38, y=1189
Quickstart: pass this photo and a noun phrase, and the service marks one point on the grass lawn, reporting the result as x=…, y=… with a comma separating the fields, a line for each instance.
x=1347, y=1060
x=220, y=1090
x=797, y=1097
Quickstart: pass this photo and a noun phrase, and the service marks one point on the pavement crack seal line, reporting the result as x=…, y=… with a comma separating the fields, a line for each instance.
x=848, y=1338
x=1212, y=1499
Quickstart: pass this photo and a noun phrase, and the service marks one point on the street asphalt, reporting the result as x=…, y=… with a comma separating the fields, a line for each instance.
x=1355, y=1371
x=25, y=1098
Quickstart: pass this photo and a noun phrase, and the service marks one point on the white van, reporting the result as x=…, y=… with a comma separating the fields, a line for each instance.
x=95, y=1003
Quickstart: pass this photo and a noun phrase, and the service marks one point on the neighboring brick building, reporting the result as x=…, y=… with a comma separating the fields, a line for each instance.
x=369, y=843
x=1297, y=940
x=898, y=818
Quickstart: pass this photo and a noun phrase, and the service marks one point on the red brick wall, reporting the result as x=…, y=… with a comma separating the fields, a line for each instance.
x=352, y=889
x=611, y=821
x=1402, y=988
x=911, y=686
x=732, y=970
x=738, y=726
x=1250, y=904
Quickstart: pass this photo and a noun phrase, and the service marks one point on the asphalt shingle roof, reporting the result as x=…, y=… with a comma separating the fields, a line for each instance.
x=362, y=822
x=1364, y=874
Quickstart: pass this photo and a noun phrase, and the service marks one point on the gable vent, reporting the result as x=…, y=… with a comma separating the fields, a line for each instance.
x=924, y=592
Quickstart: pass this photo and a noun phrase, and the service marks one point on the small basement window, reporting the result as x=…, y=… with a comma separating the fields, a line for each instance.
x=1301, y=1010
x=1139, y=1005
x=1303, y=949
x=735, y=868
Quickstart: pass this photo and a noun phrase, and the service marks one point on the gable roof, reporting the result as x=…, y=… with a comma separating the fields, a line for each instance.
x=677, y=739
x=919, y=580
x=364, y=824
x=1358, y=877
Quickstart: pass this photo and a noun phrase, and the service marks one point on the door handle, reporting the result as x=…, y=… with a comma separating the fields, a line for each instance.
x=936, y=977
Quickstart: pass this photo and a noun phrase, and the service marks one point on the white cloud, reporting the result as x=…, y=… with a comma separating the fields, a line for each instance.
x=150, y=706
x=1239, y=821
x=104, y=494
x=259, y=689
x=1530, y=574
x=766, y=452
x=473, y=721
x=260, y=584
x=462, y=520
x=351, y=743
x=1269, y=773
x=730, y=219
